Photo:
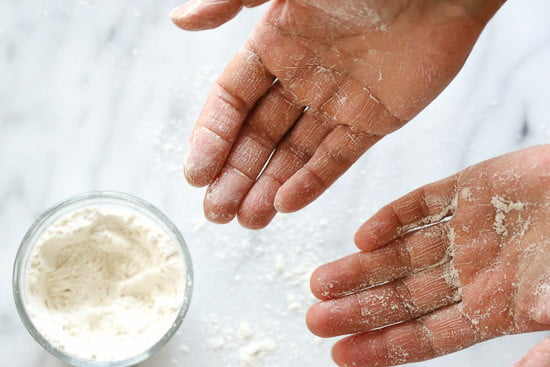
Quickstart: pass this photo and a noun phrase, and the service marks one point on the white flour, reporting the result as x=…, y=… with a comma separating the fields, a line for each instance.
x=251, y=354
x=502, y=207
x=104, y=283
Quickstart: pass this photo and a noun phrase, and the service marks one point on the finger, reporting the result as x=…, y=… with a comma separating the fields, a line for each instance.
x=537, y=357
x=338, y=151
x=257, y=210
x=207, y=14
x=426, y=205
x=253, y=3
x=270, y=120
x=233, y=96
x=314, y=86
x=397, y=301
x=362, y=120
x=406, y=255
x=444, y=331
x=293, y=153
x=308, y=85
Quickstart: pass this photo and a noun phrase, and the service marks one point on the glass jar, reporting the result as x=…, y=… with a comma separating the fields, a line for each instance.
x=96, y=199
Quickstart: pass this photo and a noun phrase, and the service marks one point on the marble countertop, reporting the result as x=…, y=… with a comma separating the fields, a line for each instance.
x=101, y=95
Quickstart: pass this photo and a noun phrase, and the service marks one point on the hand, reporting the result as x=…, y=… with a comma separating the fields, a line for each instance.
x=316, y=84
x=425, y=286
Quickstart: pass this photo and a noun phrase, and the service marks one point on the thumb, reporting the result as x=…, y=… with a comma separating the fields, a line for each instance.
x=539, y=356
x=198, y=15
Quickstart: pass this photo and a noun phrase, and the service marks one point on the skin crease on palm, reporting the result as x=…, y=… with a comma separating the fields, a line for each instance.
x=316, y=84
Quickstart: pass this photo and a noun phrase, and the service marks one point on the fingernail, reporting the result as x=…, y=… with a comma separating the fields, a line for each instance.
x=279, y=204
x=184, y=10
x=177, y=13
x=194, y=167
x=186, y=164
x=283, y=199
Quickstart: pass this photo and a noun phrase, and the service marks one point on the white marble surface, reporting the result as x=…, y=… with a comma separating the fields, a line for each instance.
x=98, y=95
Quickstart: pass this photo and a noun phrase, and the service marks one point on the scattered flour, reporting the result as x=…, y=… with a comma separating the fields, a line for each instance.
x=451, y=277
x=216, y=343
x=450, y=273
x=251, y=354
x=167, y=139
x=293, y=303
x=502, y=207
x=184, y=348
x=466, y=194
x=268, y=272
x=261, y=263
x=104, y=283
x=168, y=135
x=245, y=332
x=251, y=347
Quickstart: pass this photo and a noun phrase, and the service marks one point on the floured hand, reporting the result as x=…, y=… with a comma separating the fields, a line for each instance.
x=449, y=265
x=316, y=84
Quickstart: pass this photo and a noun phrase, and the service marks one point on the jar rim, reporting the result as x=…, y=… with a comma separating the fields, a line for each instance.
x=72, y=203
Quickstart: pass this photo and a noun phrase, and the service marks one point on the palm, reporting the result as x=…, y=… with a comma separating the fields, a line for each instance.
x=483, y=273
x=391, y=59
x=316, y=84
x=502, y=248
